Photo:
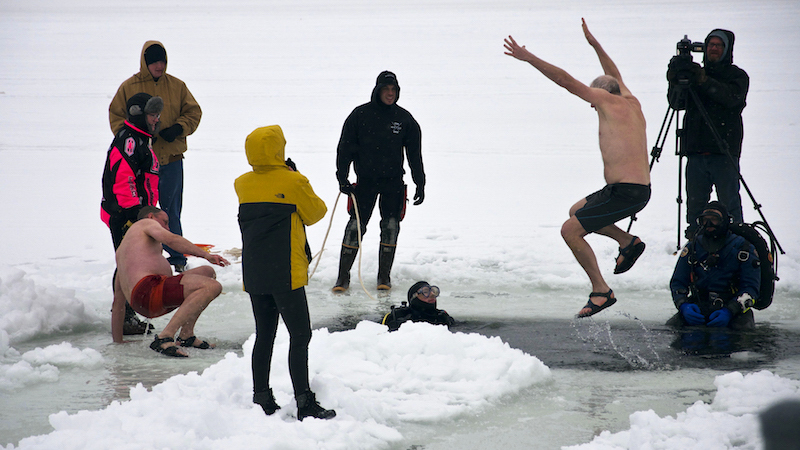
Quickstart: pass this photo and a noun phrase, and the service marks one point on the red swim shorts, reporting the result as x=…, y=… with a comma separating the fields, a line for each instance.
x=156, y=295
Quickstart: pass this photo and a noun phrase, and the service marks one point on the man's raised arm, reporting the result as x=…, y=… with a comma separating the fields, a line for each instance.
x=558, y=75
x=609, y=68
x=180, y=244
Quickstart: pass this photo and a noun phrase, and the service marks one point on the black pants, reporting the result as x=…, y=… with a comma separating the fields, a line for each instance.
x=118, y=226
x=392, y=198
x=704, y=172
x=293, y=307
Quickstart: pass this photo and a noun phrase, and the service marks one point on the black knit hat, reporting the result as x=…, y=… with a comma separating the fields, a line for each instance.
x=716, y=206
x=154, y=53
x=724, y=219
x=412, y=292
x=386, y=78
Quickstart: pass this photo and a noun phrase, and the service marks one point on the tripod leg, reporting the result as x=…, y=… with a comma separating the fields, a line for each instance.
x=725, y=148
x=679, y=199
x=655, y=153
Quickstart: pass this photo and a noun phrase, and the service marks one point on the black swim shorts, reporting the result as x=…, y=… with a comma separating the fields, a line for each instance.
x=611, y=204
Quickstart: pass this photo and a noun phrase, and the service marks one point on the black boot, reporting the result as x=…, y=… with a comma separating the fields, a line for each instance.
x=307, y=406
x=133, y=325
x=385, y=260
x=267, y=401
x=346, y=259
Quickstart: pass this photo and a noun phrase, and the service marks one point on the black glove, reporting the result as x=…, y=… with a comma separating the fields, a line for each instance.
x=347, y=188
x=672, y=69
x=682, y=70
x=291, y=164
x=698, y=75
x=170, y=133
x=419, y=196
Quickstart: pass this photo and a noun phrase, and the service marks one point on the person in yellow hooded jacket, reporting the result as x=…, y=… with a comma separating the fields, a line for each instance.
x=180, y=118
x=275, y=204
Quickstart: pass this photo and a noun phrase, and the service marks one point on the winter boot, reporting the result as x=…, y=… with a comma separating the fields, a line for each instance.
x=385, y=260
x=133, y=325
x=267, y=401
x=348, y=256
x=307, y=406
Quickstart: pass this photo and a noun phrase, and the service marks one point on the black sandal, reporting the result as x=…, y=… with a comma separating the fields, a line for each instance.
x=172, y=350
x=594, y=309
x=189, y=342
x=629, y=256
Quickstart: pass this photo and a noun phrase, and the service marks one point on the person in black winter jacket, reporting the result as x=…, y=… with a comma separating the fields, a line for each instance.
x=421, y=307
x=373, y=140
x=721, y=88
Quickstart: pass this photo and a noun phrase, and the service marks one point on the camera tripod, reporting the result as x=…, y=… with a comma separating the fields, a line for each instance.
x=683, y=90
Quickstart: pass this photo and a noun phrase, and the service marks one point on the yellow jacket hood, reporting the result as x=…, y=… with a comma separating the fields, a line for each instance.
x=266, y=146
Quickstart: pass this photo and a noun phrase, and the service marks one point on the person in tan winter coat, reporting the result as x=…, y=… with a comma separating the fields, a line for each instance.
x=180, y=118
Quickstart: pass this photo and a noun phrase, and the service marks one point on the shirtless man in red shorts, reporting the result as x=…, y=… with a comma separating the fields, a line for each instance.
x=144, y=278
x=623, y=147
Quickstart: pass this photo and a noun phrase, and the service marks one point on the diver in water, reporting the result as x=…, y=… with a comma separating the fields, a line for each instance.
x=717, y=277
x=421, y=307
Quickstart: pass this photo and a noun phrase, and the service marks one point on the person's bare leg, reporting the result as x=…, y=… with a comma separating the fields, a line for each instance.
x=573, y=233
x=199, y=290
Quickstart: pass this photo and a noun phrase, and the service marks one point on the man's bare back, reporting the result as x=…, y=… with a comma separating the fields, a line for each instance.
x=140, y=255
x=623, y=140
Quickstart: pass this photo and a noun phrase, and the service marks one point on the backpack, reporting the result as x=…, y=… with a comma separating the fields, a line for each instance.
x=768, y=258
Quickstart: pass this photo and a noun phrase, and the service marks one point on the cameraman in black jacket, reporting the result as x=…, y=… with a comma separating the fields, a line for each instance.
x=721, y=88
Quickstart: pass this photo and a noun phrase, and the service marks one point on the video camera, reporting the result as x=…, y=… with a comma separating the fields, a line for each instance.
x=682, y=71
x=685, y=46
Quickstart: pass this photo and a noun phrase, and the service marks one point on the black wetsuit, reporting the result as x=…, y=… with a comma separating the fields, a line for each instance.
x=373, y=140
x=418, y=311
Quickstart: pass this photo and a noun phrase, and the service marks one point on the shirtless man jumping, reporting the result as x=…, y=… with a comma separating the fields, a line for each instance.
x=144, y=278
x=623, y=146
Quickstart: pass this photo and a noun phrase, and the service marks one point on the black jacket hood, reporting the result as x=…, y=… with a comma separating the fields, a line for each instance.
x=727, y=56
x=385, y=78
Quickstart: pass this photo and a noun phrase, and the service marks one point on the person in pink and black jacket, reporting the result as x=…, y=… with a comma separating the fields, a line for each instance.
x=130, y=177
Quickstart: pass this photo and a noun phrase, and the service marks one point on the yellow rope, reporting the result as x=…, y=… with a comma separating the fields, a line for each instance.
x=318, y=256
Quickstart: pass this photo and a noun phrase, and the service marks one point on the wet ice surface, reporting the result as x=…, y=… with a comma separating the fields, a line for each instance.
x=633, y=345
